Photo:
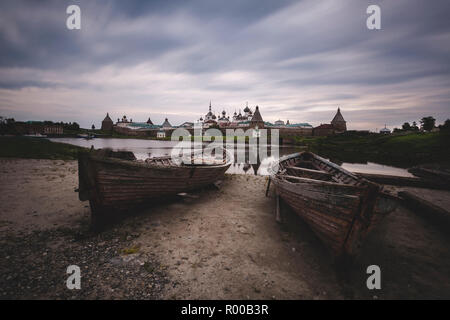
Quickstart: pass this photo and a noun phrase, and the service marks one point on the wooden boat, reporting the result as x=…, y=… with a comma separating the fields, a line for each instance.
x=114, y=181
x=437, y=174
x=340, y=207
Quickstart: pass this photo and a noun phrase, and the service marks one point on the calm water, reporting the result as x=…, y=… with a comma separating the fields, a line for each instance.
x=143, y=149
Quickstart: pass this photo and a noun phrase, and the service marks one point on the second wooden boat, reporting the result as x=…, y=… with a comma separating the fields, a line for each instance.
x=340, y=207
x=114, y=181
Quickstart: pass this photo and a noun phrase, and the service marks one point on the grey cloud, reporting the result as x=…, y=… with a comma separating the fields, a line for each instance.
x=294, y=56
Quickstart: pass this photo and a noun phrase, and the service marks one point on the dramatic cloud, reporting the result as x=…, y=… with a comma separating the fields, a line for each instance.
x=297, y=60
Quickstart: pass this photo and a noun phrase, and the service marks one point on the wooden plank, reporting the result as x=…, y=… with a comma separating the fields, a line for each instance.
x=406, y=181
x=268, y=187
x=426, y=209
x=310, y=173
x=321, y=183
x=278, y=217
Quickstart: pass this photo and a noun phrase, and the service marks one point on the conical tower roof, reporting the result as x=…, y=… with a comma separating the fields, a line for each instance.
x=338, y=117
x=166, y=124
x=107, y=118
x=149, y=121
x=257, y=115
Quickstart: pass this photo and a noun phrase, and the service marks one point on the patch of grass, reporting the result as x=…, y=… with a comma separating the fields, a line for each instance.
x=131, y=250
x=36, y=148
x=398, y=150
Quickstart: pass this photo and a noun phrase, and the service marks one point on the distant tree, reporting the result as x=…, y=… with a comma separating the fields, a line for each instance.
x=93, y=127
x=428, y=123
x=75, y=126
x=414, y=126
x=396, y=130
x=406, y=126
x=2, y=125
x=71, y=126
x=446, y=126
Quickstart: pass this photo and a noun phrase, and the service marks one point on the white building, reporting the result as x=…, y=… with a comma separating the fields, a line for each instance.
x=161, y=134
x=385, y=130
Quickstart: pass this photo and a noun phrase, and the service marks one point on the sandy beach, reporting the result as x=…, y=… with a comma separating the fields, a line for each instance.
x=212, y=244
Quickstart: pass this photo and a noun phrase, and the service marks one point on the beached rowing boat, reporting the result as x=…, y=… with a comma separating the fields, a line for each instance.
x=437, y=174
x=114, y=181
x=340, y=207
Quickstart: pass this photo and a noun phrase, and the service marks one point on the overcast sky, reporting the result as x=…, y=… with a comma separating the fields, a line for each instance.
x=297, y=60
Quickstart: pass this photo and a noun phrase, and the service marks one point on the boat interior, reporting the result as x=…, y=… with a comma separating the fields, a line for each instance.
x=307, y=166
x=193, y=161
x=196, y=159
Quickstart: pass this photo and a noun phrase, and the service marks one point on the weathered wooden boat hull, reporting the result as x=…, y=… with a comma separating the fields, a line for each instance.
x=112, y=184
x=406, y=181
x=340, y=213
x=438, y=175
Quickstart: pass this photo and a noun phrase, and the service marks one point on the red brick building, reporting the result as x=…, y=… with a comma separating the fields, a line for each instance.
x=337, y=125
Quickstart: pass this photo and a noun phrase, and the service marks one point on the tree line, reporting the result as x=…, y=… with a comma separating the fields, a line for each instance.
x=426, y=124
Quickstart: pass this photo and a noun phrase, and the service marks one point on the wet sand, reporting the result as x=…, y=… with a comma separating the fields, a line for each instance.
x=213, y=244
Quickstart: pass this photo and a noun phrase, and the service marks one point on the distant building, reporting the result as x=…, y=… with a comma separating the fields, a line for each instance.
x=245, y=120
x=385, y=130
x=337, y=125
x=53, y=130
x=224, y=121
x=257, y=120
x=187, y=125
x=107, y=123
x=338, y=122
x=248, y=112
x=166, y=124
x=161, y=134
x=256, y=133
x=325, y=129
x=242, y=120
x=210, y=118
x=298, y=125
x=123, y=122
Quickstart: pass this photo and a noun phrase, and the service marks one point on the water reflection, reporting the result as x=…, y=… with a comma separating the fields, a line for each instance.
x=143, y=149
